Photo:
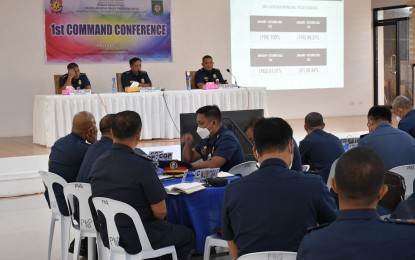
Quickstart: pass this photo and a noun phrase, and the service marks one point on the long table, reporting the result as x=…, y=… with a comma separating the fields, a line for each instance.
x=52, y=114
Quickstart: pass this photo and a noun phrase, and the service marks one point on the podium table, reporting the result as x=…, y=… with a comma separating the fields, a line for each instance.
x=52, y=114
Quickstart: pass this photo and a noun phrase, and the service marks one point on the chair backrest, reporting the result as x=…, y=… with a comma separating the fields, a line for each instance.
x=82, y=191
x=49, y=179
x=277, y=255
x=192, y=78
x=56, y=78
x=119, y=84
x=305, y=167
x=110, y=208
x=408, y=173
x=244, y=169
x=332, y=173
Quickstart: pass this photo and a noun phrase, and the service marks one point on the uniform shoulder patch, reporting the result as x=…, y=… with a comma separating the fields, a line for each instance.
x=310, y=229
x=216, y=69
x=127, y=72
x=143, y=72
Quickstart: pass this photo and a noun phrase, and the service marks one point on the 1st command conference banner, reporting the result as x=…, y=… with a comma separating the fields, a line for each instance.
x=107, y=30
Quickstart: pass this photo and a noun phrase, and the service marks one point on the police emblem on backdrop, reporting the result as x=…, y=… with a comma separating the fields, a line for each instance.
x=157, y=7
x=56, y=6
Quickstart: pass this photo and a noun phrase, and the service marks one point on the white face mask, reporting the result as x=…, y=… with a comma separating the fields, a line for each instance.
x=398, y=118
x=203, y=132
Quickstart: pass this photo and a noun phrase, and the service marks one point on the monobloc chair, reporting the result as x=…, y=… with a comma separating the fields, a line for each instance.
x=280, y=255
x=110, y=208
x=305, y=167
x=244, y=169
x=408, y=173
x=84, y=226
x=49, y=179
x=213, y=240
x=56, y=78
x=332, y=173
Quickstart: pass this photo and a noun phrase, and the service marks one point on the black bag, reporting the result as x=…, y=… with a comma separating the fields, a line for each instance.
x=396, y=191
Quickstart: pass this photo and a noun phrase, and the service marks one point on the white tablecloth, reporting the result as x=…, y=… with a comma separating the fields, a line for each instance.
x=52, y=114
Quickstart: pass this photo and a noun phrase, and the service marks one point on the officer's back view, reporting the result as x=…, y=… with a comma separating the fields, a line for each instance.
x=358, y=233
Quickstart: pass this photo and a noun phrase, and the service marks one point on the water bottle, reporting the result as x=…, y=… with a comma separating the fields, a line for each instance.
x=114, y=85
x=189, y=86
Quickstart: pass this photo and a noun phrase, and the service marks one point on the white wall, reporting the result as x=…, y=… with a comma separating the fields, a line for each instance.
x=24, y=73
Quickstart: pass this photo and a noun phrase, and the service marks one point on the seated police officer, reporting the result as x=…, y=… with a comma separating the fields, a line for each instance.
x=74, y=78
x=208, y=73
x=123, y=175
x=270, y=210
x=358, y=233
x=135, y=75
x=219, y=147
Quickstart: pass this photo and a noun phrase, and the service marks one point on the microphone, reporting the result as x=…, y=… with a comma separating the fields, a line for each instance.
x=236, y=83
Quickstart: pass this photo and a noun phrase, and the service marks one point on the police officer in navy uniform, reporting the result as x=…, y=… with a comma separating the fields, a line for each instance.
x=219, y=147
x=74, y=78
x=208, y=73
x=270, y=209
x=319, y=149
x=358, y=233
x=135, y=75
x=405, y=114
x=121, y=174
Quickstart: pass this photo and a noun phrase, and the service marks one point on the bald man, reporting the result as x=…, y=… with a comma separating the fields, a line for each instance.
x=405, y=114
x=68, y=152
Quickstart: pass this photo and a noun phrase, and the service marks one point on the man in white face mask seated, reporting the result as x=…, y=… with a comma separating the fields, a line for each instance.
x=219, y=147
x=271, y=209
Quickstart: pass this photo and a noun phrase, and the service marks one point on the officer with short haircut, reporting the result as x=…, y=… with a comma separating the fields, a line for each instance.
x=135, y=74
x=358, y=233
x=74, y=78
x=208, y=73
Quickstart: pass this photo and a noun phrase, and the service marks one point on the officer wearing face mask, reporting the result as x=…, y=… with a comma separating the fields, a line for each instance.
x=271, y=209
x=219, y=147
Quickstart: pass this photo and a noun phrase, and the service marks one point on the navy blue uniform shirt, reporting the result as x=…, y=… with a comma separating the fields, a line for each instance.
x=67, y=155
x=407, y=123
x=271, y=209
x=359, y=234
x=204, y=76
x=320, y=149
x=394, y=146
x=80, y=83
x=122, y=175
x=224, y=144
x=128, y=77
x=65, y=159
x=95, y=151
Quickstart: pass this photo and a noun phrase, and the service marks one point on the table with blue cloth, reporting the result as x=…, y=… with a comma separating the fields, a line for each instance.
x=200, y=211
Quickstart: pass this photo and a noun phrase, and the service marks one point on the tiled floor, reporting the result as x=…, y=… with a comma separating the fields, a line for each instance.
x=24, y=230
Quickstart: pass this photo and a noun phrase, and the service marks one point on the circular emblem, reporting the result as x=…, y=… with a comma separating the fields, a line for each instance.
x=173, y=165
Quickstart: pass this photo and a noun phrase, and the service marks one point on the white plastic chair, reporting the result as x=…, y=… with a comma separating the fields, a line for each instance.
x=213, y=240
x=408, y=173
x=244, y=169
x=305, y=167
x=49, y=179
x=278, y=255
x=85, y=227
x=332, y=173
x=110, y=208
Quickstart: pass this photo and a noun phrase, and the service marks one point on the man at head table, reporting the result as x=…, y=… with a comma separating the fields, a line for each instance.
x=74, y=78
x=208, y=73
x=219, y=147
x=135, y=74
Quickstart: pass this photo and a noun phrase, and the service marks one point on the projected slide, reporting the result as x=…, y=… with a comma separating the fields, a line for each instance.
x=288, y=44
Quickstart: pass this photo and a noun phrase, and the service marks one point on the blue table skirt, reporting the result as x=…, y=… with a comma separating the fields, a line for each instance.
x=200, y=211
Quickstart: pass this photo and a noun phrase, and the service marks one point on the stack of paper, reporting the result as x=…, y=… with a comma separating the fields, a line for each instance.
x=184, y=188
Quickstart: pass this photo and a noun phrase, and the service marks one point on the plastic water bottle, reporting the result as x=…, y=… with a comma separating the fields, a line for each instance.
x=189, y=86
x=114, y=85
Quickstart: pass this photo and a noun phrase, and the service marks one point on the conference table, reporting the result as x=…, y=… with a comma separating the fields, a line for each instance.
x=160, y=111
x=200, y=211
